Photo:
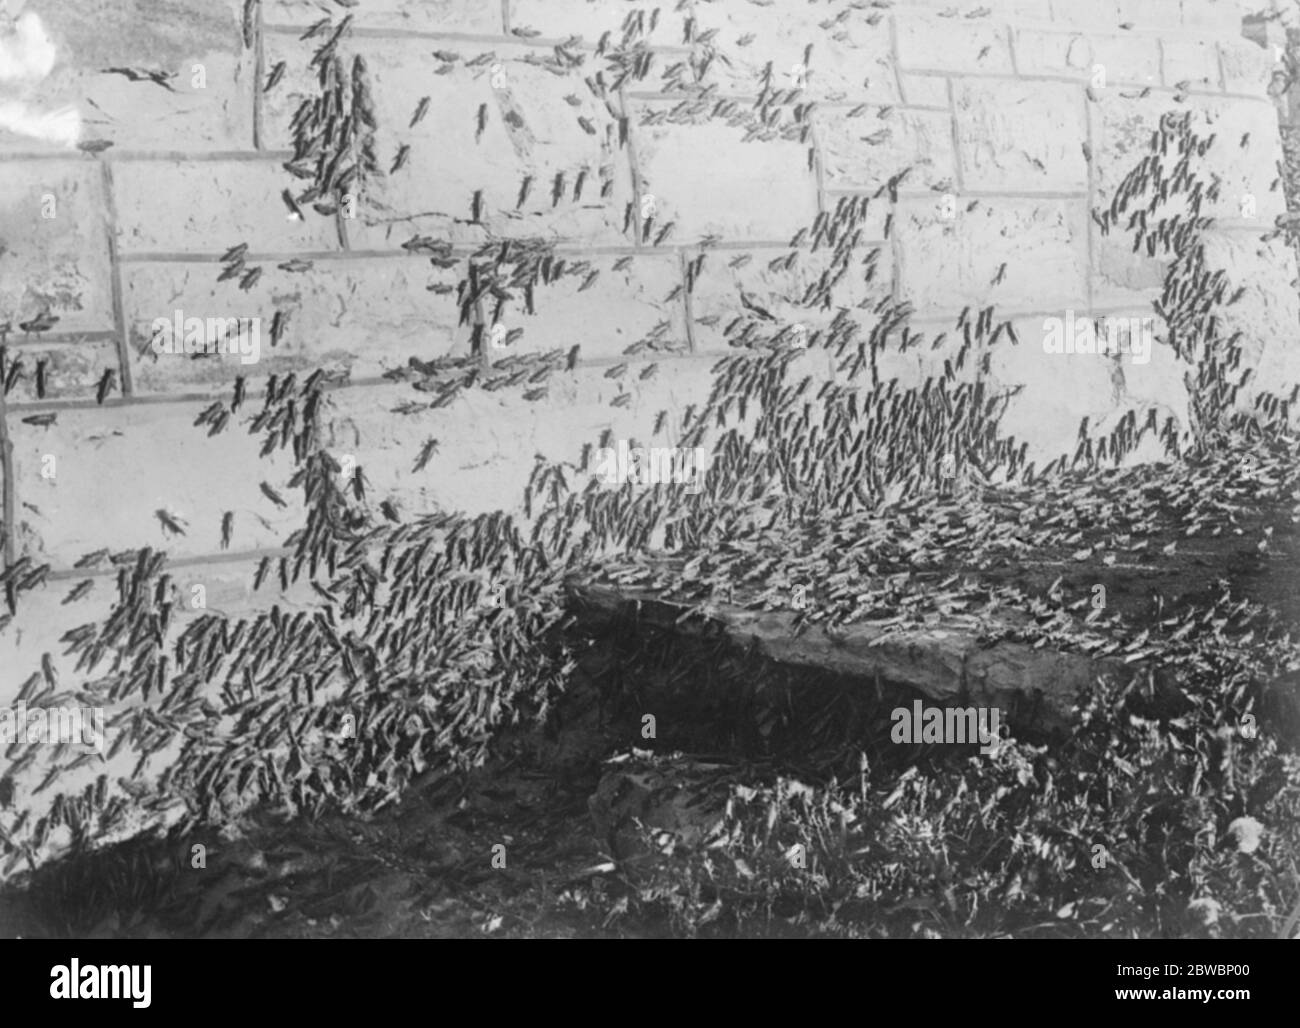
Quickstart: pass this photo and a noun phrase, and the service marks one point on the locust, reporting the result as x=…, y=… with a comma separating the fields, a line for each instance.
x=78, y=591
x=273, y=79
x=426, y=454
x=92, y=559
x=170, y=524
x=12, y=375
x=106, y=381
x=294, y=210
x=272, y=495
x=43, y=322
x=279, y=321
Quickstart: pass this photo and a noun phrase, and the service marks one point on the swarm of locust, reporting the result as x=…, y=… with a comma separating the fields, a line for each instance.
x=334, y=131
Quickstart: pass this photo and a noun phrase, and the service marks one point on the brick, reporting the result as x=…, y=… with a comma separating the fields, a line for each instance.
x=227, y=202
x=59, y=263
x=1021, y=136
x=1192, y=61
x=531, y=132
x=677, y=384
x=709, y=181
x=850, y=59
x=365, y=315
x=369, y=316
x=781, y=292
x=72, y=371
x=566, y=314
x=1123, y=126
x=1160, y=381
x=1212, y=16
x=1053, y=53
x=1245, y=170
x=36, y=628
x=1122, y=136
x=947, y=264
x=145, y=458
x=490, y=438
x=1158, y=15
x=952, y=44
x=228, y=585
x=1104, y=15
x=1122, y=130
x=213, y=112
x=921, y=360
x=1267, y=311
x=1040, y=412
x=922, y=140
x=1121, y=276
x=1125, y=59
x=1247, y=68
x=925, y=90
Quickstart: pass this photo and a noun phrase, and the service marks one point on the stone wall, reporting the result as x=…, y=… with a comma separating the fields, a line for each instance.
x=1012, y=119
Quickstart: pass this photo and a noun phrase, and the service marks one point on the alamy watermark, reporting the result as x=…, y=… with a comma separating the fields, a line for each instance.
x=194, y=336
x=53, y=726
x=954, y=725
x=652, y=465
x=1103, y=336
x=102, y=981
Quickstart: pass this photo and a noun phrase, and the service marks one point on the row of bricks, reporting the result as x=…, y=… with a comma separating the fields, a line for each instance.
x=1013, y=137
x=211, y=103
x=942, y=255
x=487, y=441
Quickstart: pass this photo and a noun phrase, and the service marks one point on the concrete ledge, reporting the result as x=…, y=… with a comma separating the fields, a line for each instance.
x=1035, y=686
